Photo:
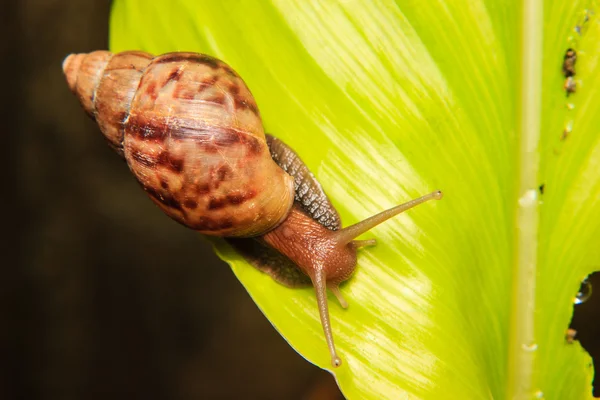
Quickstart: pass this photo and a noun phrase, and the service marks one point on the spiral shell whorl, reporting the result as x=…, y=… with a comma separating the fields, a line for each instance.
x=105, y=84
x=192, y=135
x=83, y=73
x=70, y=68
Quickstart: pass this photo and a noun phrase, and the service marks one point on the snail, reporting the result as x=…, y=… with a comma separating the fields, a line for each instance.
x=191, y=133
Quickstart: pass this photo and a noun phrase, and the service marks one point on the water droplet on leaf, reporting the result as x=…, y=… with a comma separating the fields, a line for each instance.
x=584, y=293
x=528, y=199
x=529, y=346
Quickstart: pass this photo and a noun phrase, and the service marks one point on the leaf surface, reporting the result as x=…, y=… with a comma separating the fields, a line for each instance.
x=469, y=297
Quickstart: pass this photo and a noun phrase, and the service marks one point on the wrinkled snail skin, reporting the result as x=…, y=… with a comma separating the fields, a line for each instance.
x=312, y=246
x=192, y=135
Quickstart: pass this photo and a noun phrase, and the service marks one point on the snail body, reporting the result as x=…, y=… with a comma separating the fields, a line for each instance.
x=191, y=133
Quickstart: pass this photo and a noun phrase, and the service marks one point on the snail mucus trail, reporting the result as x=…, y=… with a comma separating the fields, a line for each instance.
x=191, y=133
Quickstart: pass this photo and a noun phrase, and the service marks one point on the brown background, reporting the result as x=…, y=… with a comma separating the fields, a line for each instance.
x=101, y=295
x=107, y=298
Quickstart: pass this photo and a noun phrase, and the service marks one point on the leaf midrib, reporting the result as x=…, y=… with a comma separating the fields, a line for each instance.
x=522, y=344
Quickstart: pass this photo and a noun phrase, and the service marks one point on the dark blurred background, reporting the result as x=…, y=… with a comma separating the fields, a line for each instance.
x=101, y=295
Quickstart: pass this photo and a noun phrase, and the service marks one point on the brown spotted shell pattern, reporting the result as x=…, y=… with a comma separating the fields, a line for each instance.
x=192, y=135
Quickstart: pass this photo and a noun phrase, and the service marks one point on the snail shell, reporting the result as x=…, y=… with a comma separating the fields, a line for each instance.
x=192, y=135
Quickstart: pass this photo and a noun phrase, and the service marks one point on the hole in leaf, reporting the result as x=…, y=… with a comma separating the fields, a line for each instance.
x=586, y=321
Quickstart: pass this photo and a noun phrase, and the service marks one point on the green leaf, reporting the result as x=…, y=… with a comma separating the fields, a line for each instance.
x=468, y=297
